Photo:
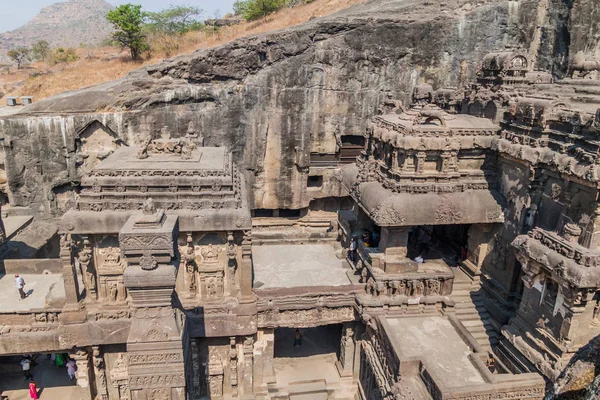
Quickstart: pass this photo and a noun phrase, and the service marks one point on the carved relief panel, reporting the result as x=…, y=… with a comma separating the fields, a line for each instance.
x=111, y=266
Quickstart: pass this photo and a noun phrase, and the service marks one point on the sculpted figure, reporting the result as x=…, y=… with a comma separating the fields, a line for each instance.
x=143, y=153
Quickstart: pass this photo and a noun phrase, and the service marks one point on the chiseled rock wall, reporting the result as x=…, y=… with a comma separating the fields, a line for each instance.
x=274, y=98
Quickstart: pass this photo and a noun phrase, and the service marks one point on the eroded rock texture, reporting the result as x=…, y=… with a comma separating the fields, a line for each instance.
x=579, y=381
x=275, y=98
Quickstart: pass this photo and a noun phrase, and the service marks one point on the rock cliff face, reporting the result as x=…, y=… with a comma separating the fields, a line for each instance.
x=276, y=98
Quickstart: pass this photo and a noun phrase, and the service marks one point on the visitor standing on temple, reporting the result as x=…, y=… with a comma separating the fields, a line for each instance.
x=71, y=368
x=20, y=283
x=352, y=249
x=26, y=365
x=33, y=391
x=298, y=338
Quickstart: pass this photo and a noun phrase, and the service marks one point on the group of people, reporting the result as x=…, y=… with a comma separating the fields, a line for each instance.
x=60, y=360
x=369, y=239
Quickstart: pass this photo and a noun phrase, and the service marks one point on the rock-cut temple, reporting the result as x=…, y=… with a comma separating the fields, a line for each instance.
x=451, y=251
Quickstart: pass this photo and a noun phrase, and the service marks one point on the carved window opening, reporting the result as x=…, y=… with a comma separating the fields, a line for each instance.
x=314, y=181
x=262, y=213
x=284, y=213
x=351, y=146
x=550, y=294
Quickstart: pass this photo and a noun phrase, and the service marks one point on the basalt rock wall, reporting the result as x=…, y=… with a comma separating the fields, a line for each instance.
x=275, y=98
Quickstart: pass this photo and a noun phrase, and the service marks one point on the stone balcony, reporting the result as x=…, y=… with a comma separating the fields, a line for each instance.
x=559, y=256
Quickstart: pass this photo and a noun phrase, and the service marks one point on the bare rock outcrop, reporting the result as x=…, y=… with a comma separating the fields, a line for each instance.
x=580, y=379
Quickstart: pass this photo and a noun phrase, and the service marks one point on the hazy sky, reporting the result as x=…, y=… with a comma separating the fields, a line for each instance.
x=15, y=13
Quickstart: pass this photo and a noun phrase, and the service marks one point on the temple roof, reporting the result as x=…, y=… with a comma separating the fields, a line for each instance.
x=434, y=207
x=568, y=262
x=199, y=184
x=430, y=120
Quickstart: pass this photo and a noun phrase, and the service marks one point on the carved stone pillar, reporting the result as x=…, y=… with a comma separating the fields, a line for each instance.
x=119, y=376
x=246, y=268
x=155, y=344
x=233, y=366
x=100, y=373
x=345, y=363
x=421, y=155
x=232, y=261
x=247, y=379
x=82, y=375
x=268, y=354
x=69, y=274
x=86, y=260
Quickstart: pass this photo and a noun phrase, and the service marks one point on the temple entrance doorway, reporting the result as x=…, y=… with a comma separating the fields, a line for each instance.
x=305, y=361
x=52, y=381
x=446, y=242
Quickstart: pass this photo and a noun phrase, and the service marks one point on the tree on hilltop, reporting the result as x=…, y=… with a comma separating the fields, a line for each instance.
x=175, y=20
x=252, y=10
x=19, y=55
x=128, y=21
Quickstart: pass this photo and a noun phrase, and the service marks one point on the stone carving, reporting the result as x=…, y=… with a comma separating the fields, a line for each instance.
x=215, y=375
x=158, y=358
x=148, y=262
x=167, y=146
x=157, y=380
x=119, y=369
x=448, y=213
x=210, y=254
x=100, y=372
x=158, y=394
x=233, y=361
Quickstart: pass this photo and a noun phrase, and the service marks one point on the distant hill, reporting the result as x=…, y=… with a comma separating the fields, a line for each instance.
x=67, y=23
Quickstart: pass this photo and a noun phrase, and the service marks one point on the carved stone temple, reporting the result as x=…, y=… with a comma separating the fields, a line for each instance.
x=166, y=267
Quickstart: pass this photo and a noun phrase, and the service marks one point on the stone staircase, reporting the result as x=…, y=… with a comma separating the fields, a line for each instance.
x=471, y=312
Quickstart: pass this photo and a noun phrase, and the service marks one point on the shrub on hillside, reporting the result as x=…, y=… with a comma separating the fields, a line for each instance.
x=62, y=55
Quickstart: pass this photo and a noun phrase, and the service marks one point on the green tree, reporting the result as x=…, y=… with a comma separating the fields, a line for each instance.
x=128, y=21
x=252, y=10
x=40, y=50
x=19, y=55
x=175, y=20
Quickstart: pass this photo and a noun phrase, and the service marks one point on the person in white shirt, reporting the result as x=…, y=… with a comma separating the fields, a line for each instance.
x=26, y=364
x=20, y=283
x=71, y=368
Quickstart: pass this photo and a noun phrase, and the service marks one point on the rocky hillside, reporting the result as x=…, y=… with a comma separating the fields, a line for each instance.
x=67, y=23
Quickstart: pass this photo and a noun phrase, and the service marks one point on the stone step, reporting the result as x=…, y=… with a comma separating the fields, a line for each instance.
x=471, y=316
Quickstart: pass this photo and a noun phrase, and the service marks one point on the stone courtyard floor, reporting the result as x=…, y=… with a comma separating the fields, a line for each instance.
x=38, y=287
x=288, y=266
x=53, y=382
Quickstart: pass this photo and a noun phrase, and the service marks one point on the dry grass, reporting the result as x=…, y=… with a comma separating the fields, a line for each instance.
x=108, y=64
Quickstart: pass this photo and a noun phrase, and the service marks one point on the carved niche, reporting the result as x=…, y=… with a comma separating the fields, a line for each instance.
x=111, y=266
x=215, y=375
x=94, y=143
x=211, y=271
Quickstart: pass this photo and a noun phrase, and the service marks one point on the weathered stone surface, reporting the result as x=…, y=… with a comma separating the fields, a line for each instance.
x=277, y=97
